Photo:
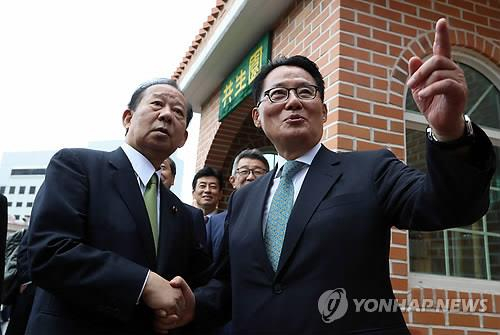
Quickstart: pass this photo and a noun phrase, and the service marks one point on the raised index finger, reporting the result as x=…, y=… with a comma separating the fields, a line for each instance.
x=442, y=46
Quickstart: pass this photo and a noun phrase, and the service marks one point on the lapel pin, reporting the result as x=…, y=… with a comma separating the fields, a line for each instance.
x=174, y=210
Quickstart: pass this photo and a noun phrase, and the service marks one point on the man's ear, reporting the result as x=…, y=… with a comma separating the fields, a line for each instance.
x=232, y=180
x=255, y=117
x=324, y=111
x=185, y=139
x=126, y=118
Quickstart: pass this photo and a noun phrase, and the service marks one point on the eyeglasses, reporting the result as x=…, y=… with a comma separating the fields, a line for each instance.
x=281, y=94
x=245, y=172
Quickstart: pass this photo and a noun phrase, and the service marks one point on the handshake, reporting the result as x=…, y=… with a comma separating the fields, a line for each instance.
x=173, y=302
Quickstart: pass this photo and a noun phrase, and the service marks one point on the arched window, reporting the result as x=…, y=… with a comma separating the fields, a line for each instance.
x=472, y=251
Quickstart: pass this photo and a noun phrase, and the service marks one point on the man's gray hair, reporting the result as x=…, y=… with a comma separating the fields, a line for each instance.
x=250, y=154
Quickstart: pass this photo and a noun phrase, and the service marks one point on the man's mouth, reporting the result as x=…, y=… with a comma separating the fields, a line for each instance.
x=162, y=130
x=295, y=118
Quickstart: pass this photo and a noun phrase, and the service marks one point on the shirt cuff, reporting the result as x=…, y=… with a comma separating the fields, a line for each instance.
x=142, y=289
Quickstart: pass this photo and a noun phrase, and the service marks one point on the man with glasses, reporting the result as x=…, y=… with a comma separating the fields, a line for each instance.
x=307, y=239
x=249, y=165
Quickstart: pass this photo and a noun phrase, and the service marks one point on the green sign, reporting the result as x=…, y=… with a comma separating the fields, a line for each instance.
x=239, y=84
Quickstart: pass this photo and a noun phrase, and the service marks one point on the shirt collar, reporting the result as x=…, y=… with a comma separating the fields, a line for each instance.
x=306, y=158
x=141, y=165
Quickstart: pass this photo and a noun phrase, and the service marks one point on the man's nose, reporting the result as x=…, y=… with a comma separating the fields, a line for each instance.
x=293, y=100
x=250, y=177
x=166, y=114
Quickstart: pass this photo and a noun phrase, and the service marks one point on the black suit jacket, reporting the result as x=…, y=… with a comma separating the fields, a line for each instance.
x=338, y=237
x=215, y=232
x=91, y=246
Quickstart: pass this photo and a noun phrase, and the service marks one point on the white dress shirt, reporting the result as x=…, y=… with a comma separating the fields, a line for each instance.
x=297, y=180
x=143, y=171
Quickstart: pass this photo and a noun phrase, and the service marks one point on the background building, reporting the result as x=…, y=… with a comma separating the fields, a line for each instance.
x=362, y=49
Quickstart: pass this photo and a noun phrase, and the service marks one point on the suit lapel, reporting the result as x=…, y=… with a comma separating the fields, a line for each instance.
x=324, y=172
x=125, y=181
x=258, y=200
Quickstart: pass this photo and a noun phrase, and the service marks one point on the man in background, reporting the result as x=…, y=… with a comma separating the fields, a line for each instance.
x=207, y=190
x=168, y=171
x=248, y=165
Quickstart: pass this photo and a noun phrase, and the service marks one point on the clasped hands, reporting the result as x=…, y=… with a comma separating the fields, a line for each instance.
x=172, y=301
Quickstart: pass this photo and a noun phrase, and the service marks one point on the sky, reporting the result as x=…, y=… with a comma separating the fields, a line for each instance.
x=68, y=68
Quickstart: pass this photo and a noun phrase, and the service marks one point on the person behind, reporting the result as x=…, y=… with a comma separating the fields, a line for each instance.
x=306, y=239
x=207, y=190
x=168, y=171
x=248, y=165
x=104, y=239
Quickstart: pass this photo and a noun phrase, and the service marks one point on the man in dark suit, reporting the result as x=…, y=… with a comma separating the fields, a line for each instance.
x=248, y=165
x=312, y=235
x=106, y=238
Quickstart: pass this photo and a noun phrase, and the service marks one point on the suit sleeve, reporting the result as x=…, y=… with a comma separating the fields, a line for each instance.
x=61, y=260
x=453, y=193
x=213, y=301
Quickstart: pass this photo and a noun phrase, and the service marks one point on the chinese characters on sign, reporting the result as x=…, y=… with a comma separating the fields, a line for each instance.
x=239, y=84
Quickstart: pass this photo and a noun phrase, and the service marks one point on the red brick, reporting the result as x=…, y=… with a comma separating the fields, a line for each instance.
x=372, y=21
x=387, y=37
x=399, y=284
x=354, y=28
x=492, y=322
x=403, y=7
x=370, y=44
x=476, y=332
x=363, y=146
x=339, y=142
x=400, y=269
x=354, y=78
x=356, y=53
x=357, y=5
x=462, y=3
x=398, y=237
x=432, y=318
x=346, y=14
x=370, y=121
x=372, y=69
x=398, y=253
x=463, y=320
x=488, y=11
x=383, y=60
x=446, y=10
x=487, y=32
x=446, y=331
x=339, y=115
x=395, y=100
x=351, y=130
x=414, y=330
x=371, y=95
x=384, y=137
x=402, y=29
x=387, y=13
x=429, y=15
x=396, y=113
x=416, y=22
x=397, y=126
x=473, y=17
